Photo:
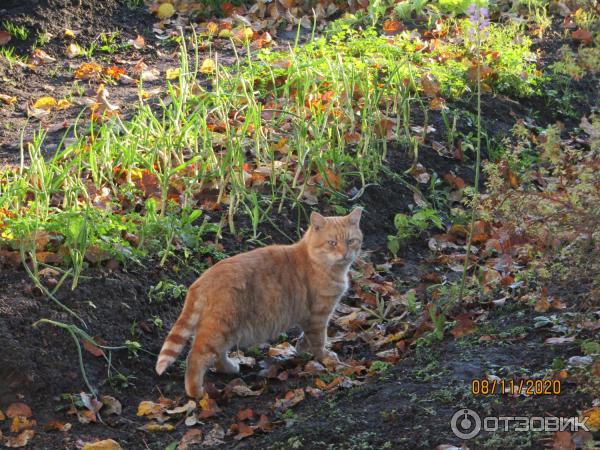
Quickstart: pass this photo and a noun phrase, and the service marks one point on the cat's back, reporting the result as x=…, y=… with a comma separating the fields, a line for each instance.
x=272, y=262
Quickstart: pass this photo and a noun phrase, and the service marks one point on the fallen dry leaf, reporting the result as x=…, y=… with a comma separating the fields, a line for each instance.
x=21, y=423
x=563, y=441
x=111, y=405
x=214, y=436
x=139, y=42
x=245, y=414
x=154, y=427
x=73, y=50
x=107, y=444
x=464, y=326
x=171, y=74
x=583, y=36
x=209, y=407
x=55, y=425
x=240, y=388
x=284, y=350
x=191, y=437
x=5, y=37
x=242, y=431
x=21, y=440
x=92, y=348
x=560, y=340
x=147, y=408
x=8, y=99
x=46, y=103
x=593, y=418
x=208, y=66
x=187, y=408
x=18, y=409
x=291, y=398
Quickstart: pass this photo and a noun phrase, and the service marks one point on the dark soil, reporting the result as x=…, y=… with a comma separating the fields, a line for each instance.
x=408, y=406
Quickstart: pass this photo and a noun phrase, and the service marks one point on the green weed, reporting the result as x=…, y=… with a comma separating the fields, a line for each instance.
x=17, y=31
x=411, y=226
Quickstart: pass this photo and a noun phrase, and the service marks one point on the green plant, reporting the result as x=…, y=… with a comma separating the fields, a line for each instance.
x=42, y=38
x=460, y=6
x=8, y=53
x=166, y=289
x=380, y=367
x=406, y=9
x=108, y=42
x=412, y=304
x=17, y=31
x=133, y=347
x=590, y=347
x=478, y=23
x=411, y=226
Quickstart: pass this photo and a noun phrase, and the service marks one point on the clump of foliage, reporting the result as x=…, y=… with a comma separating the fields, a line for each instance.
x=411, y=226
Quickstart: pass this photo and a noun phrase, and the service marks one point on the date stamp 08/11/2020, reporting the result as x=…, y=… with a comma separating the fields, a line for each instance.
x=467, y=424
x=514, y=387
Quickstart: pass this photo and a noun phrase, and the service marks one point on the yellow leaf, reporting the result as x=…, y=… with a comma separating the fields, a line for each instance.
x=45, y=103
x=63, y=103
x=107, y=444
x=171, y=74
x=212, y=27
x=208, y=66
x=225, y=33
x=204, y=402
x=157, y=427
x=20, y=423
x=593, y=418
x=165, y=11
x=73, y=50
x=147, y=408
x=69, y=33
x=7, y=99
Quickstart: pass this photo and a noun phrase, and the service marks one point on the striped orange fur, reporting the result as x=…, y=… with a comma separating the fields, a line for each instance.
x=253, y=297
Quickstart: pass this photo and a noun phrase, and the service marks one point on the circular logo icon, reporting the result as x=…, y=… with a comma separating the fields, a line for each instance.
x=465, y=424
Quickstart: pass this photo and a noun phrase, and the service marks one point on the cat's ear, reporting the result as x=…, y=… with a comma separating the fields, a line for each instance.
x=317, y=220
x=354, y=216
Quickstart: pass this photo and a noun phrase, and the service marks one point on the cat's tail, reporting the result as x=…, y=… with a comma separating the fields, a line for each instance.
x=180, y=333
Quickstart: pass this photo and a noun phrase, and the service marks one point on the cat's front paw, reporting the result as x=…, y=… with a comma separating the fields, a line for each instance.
x=194, y=392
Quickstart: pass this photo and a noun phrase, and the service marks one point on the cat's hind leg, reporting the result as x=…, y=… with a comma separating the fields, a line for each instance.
x=205, y=350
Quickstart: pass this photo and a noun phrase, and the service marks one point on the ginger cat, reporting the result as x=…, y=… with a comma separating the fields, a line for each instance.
x=253, y=297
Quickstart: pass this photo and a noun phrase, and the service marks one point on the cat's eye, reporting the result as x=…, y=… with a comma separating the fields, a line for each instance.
x=332, y=243
x=352, y=241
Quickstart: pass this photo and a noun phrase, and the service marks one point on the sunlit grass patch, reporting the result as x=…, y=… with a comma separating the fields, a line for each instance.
x=277, y=127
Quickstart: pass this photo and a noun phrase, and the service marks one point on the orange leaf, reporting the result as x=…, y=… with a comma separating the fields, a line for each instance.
x=582, y=35
x=430, y=85
x=93, y=349
x=87, y=71
x=21, y=423
x=437, y=104
x=352, y=137
x=18, y=409
x=264, y=424
x=243, y=431
x=392, y=27
x=464, y=326
x=454, y=181
x=114, y=72
x=245, y=414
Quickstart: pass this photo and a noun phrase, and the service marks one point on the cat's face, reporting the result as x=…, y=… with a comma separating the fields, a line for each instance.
x=336, y=241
